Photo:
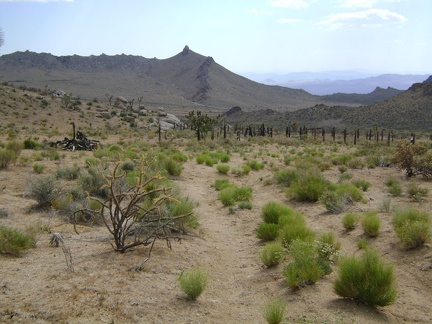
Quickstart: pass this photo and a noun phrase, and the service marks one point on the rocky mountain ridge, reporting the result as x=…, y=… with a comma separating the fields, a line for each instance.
x=188, y=80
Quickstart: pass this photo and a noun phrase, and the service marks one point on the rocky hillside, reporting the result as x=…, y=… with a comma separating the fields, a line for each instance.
x=378, y=95
x=410, y=110
x=187, y=80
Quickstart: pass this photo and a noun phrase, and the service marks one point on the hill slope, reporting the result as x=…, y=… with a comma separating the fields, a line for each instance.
x=187, y=79
x=410, y=110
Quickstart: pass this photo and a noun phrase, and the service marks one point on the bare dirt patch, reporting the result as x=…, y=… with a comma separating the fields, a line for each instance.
x=38, y=288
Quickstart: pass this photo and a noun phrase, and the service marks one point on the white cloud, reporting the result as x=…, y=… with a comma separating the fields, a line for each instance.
x=287, y=20
x=297, y=4
x=39, y=1
x=366, y=18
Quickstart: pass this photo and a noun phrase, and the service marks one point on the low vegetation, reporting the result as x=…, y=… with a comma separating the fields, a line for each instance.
x=368, y=279
x=193, y=282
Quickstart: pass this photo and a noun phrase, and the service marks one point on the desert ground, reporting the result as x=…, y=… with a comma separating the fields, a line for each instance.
x=106, y=287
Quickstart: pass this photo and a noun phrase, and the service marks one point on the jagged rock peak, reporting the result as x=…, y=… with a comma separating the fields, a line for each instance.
x=185, y=50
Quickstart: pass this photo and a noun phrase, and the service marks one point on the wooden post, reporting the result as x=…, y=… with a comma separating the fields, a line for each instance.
x=73, y=128
x=345, y=135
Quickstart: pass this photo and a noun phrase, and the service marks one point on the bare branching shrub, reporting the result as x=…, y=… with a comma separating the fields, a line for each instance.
x=134, y=215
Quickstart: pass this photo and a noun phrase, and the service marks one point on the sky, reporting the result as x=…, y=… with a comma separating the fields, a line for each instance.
x=244, y=36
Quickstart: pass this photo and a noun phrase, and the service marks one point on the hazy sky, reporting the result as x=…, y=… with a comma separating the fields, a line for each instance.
x=379, y=36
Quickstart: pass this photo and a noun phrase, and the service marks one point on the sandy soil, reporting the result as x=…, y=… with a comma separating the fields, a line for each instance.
x=105, y=288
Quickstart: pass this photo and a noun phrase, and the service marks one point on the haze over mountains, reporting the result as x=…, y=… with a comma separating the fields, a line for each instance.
x=187, y=79
x=330, y=82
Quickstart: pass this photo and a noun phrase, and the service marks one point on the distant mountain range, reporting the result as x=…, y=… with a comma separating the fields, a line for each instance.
x=187, y=80
x=409, y=110
x=190, y=81
x=327, y=83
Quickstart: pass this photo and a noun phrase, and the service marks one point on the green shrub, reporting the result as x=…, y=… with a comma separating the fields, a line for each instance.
x=245, y=205
x=230, y=195
x=13, y=242
x=367, y=279
x=68, y=172
x=306, y=267
x=127, y=166
x=362, y=243
x=91, y=180
x=30, y=144
x=416, y=192
x=296, y=230
x=201, y=158
x=221, y=184
x=193, y=282
x=394, y=186
x=209, y=161
x=288, y=219
x=351, y=192
x=345, y=176
x=223, y=168
x=361, y=184
x=274, y=311
x=286, y=177
x=179, y=157
x=355, y=163
x=412, y=227
x=245, y=169
x=271, y=253
x=6, y=158
x=267, y=231
x=44, y=190
x=341, y=159
x=371, y=223
x=224, y=157
x=309, y=186
x=255, y=165
x=172, y=167
x=333, y=201
x=350, y=221
x=183, y=206
x=15, y=147
x=38, y=168
x=328, y=246
x=272, y=210
x=342, y=168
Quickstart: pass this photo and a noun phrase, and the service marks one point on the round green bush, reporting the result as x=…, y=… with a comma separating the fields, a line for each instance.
x=267, y=231
x=367, y=279
x=371, y=224
x=412, y=227
x=350, y=221
x=271, y=254
x=193, y=282
x=272, y=210
x=274, y=311
x=297, y=230
x=223, y=168
x=13, y=242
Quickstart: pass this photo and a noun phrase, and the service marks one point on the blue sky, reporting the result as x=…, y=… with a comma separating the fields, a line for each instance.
x=377, y=36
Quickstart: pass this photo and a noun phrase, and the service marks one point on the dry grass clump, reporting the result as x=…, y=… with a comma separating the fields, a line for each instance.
x=193, y=282
x=368, y=279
